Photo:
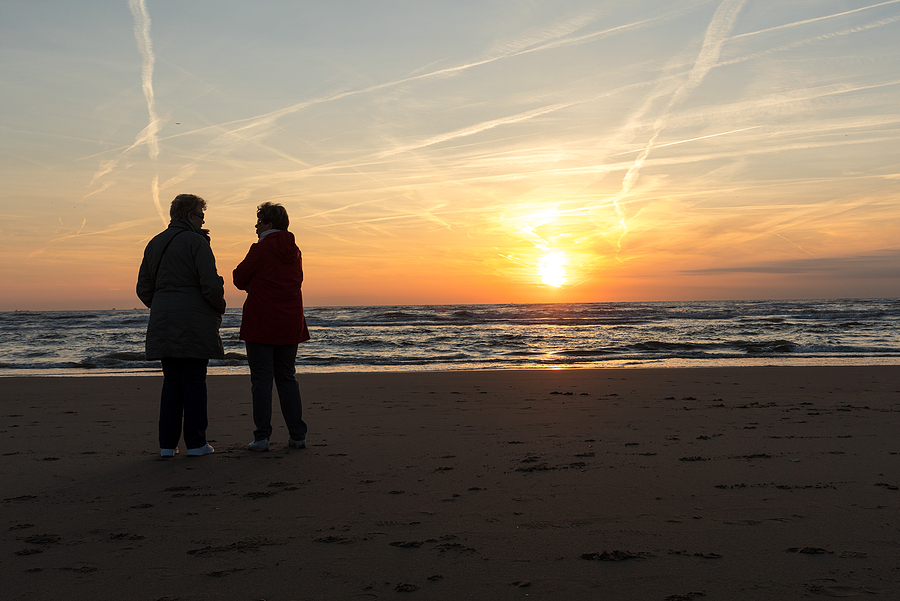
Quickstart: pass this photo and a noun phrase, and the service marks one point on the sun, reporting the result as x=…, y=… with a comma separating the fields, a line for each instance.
x=552, y=269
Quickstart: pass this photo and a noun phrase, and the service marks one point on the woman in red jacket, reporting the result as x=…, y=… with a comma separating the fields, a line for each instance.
x=272, y=324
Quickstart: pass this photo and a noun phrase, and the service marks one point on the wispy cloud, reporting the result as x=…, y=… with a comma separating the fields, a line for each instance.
x=883, y=265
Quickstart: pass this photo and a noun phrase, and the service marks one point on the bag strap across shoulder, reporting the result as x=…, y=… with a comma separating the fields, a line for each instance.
x=162, y=254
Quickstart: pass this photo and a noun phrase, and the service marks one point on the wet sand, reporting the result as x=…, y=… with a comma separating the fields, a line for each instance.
x=644, y=484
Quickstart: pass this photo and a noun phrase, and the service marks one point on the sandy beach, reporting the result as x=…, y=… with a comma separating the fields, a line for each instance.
x=644, y=484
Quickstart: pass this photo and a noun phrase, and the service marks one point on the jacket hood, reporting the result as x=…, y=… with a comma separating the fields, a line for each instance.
x=282, y=244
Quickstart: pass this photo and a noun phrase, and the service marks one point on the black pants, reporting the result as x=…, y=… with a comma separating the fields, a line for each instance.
x=183, y=394
x=270, y=362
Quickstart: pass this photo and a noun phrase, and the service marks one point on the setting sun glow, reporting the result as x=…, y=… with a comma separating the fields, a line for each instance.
x=437, y=153
x=552, y=269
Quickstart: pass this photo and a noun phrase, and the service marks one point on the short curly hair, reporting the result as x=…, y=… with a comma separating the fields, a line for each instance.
x=184, y=205
x=274, y=213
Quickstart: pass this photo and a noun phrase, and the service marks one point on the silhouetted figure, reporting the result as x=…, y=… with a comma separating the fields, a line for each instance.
x=273, y=324
x=179, y=282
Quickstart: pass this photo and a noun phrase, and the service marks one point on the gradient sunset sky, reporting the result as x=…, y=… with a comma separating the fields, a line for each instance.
x=437, y=152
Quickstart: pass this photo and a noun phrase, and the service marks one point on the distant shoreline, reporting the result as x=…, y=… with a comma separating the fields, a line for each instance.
x=741, y=363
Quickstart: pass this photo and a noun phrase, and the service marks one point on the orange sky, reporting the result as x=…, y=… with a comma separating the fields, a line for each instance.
x=436, y=153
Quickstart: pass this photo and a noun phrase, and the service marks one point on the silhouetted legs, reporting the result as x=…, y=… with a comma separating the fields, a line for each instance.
x=268, y=363
x=183, y=395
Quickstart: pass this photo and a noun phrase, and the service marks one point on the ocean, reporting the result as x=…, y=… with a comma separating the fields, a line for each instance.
x=454, y=337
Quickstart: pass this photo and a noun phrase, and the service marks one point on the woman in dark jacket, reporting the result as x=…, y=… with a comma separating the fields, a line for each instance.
x=179, y=282
x=272, y=324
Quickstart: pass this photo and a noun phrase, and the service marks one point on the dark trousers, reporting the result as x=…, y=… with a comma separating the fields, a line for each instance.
x=270, y=362
x=183, y=394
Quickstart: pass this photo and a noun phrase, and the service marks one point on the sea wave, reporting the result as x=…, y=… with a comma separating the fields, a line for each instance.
x=488, y=336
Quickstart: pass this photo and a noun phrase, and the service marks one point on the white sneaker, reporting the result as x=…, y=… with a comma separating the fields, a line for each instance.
x=204, y=450
x=168, y=452
x=297, y=444
x=259, y=445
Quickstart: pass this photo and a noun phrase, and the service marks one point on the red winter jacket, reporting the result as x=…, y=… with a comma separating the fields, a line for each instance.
x=272, y=273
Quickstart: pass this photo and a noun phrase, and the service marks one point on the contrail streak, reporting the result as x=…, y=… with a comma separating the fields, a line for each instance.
x=142, y=35
x=724, y=133
x=269, y=118
x=461, y=133
x=98, y=190
x=804, y=22
x=819, y=38
x=105, y=167
x=244, y=127
x=480, y=127
x=795, y=244
x=716, y=34
x=150, y=134
x=115, y=227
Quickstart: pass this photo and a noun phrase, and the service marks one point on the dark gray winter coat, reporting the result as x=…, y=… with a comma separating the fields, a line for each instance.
x=185, y=294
